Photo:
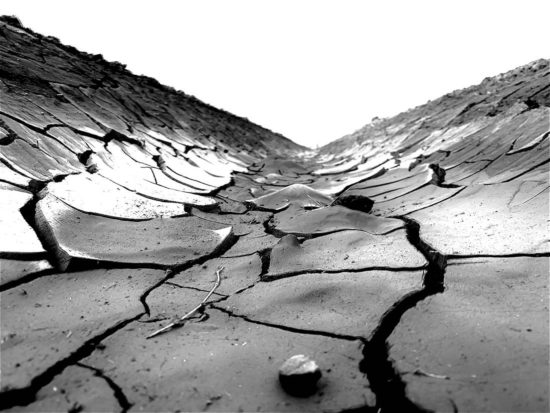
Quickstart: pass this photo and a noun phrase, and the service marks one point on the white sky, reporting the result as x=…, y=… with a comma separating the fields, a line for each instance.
x=312, y=70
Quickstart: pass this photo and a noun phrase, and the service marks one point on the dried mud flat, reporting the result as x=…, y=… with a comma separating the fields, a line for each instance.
x=123, y=201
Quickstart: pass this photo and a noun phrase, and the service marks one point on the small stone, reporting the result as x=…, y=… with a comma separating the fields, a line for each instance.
x=357, y=202
x=299, y=375
x=438, y=176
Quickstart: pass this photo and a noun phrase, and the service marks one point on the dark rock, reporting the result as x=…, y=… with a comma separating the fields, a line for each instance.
x=299, y=375
x=357, y=202
x=439, y=174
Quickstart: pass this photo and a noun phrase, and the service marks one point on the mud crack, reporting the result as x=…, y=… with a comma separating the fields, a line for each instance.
x=288, y=328
x=117, y=390
x=173, y=271
x=26, y=395
x=384, y=379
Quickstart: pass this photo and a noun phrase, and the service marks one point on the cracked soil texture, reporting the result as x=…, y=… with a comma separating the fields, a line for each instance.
x=128, y=206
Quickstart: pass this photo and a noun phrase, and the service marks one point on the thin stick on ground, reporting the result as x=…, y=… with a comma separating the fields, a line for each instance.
x=182, y=319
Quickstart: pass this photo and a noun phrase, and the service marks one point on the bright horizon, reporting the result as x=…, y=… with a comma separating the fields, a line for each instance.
x=312, y=70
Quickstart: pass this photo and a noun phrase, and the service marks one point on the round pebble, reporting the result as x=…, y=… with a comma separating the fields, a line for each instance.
x=299, y=375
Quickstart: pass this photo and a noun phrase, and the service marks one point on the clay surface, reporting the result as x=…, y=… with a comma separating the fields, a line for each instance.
x=482, y=345
x=159, y=254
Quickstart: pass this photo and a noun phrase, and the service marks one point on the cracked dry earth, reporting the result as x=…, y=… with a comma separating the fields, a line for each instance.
x=121, y=199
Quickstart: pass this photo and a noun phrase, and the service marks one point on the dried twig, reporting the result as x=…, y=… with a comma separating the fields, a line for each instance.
x=182, y=320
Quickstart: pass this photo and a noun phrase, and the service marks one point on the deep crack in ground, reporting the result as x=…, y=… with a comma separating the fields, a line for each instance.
x=385, y=381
